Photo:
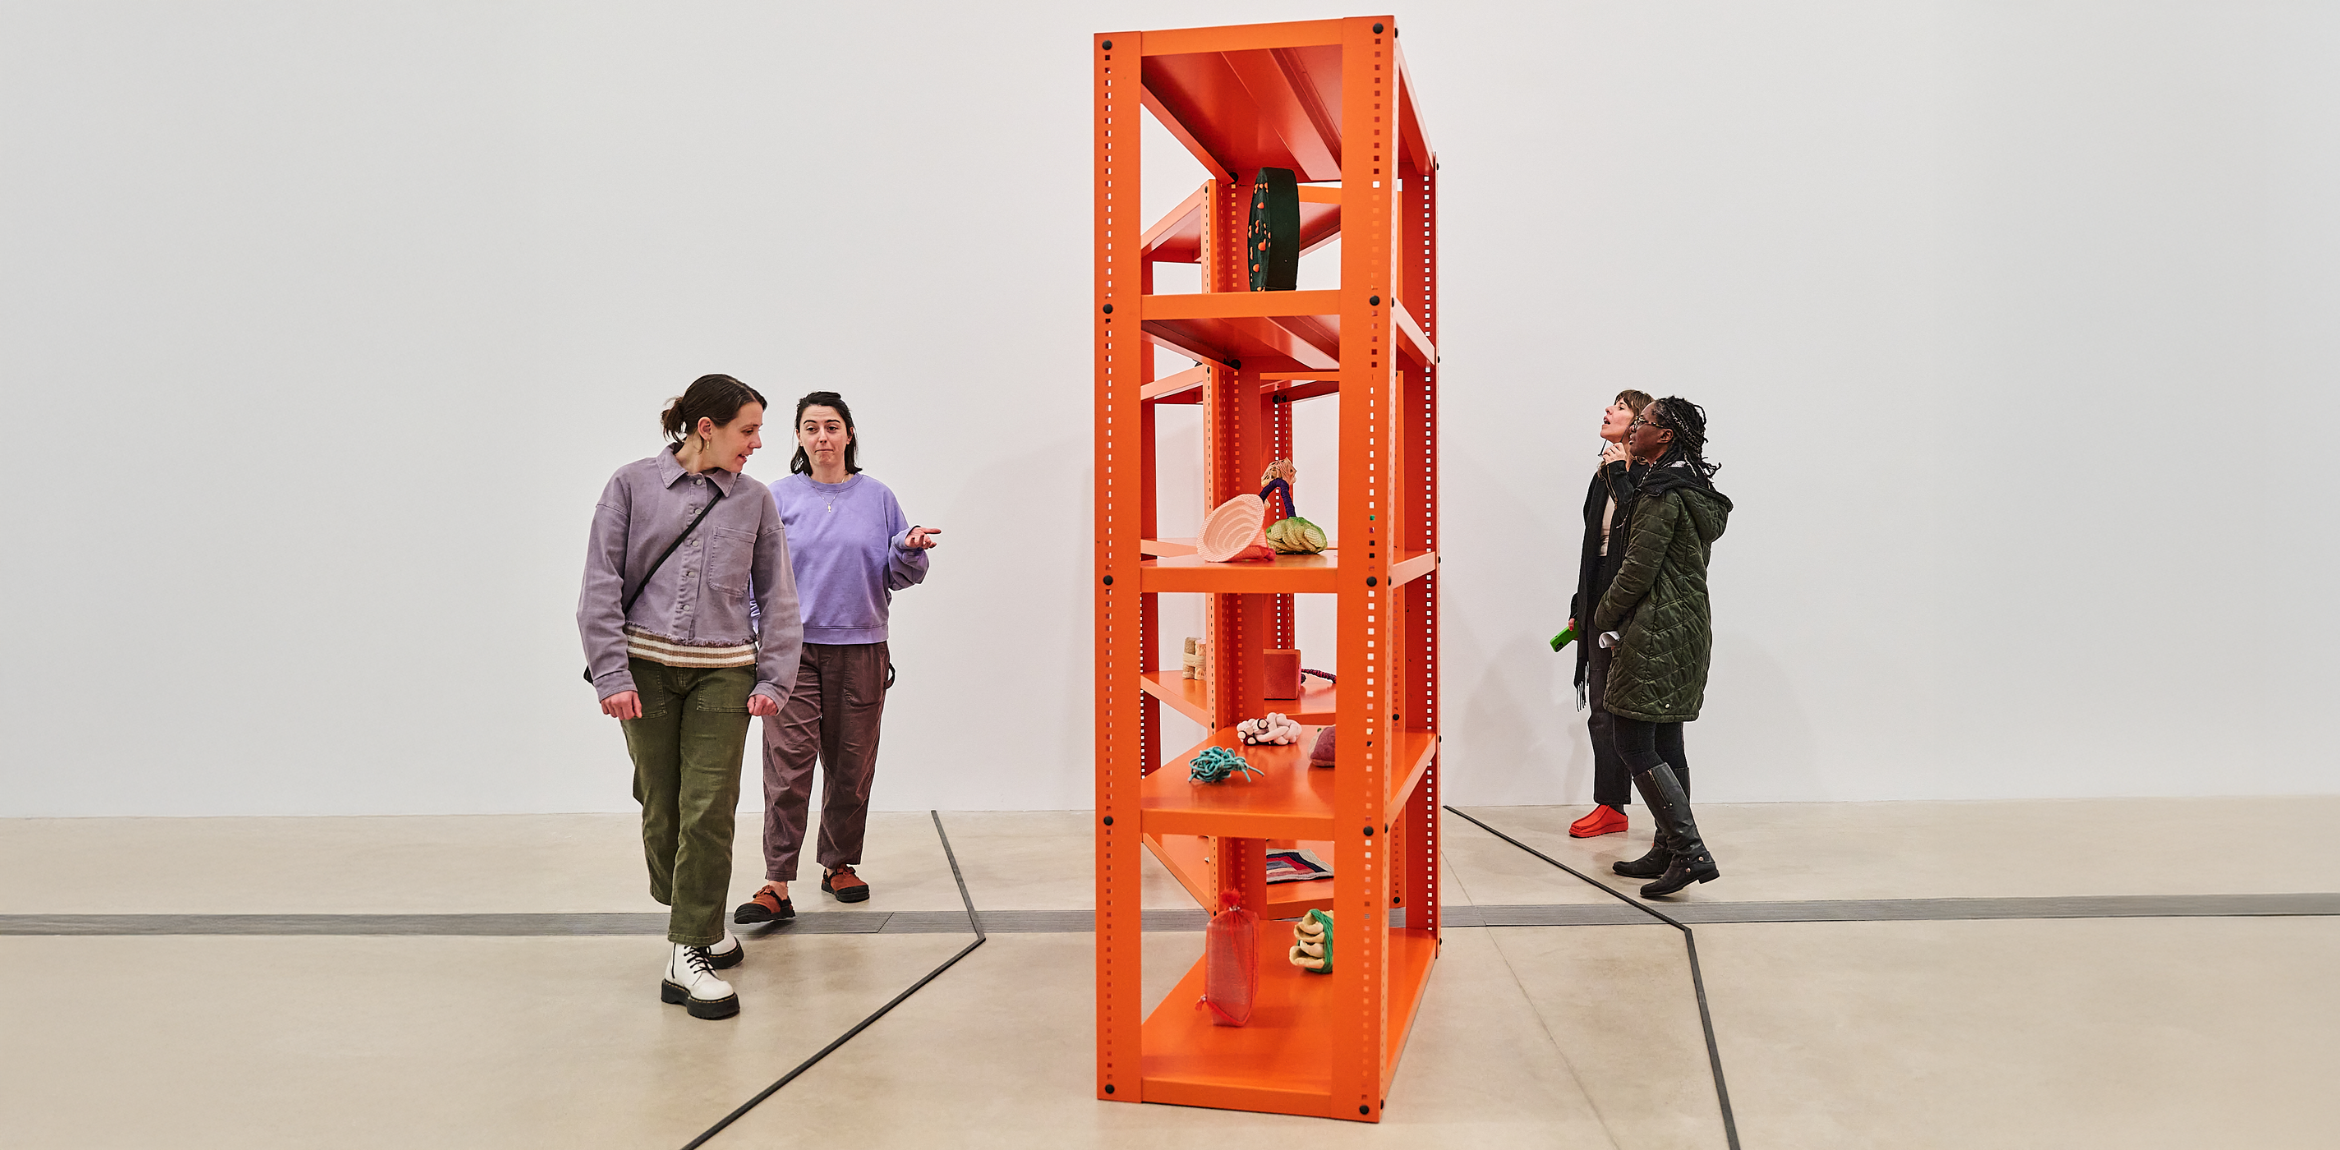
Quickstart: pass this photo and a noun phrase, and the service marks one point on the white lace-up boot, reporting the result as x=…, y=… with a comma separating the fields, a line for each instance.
x=726, y=954
x=690, y=980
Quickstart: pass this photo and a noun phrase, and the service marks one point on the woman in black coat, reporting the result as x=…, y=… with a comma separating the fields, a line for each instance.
x=1605, y=507
x=1656, y=621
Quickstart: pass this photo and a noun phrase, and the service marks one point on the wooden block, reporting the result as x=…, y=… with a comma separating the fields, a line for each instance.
x=1280, y=674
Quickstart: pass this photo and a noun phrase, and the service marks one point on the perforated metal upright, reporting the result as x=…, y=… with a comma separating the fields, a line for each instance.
x=1332, y=101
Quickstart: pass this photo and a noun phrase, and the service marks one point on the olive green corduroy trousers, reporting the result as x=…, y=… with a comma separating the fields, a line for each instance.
x=687, y=748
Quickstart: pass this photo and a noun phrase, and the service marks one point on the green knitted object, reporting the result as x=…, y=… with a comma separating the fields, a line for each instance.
x=1216, y=764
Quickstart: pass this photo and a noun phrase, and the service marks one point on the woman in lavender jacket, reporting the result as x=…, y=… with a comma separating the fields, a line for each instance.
x=673, y=655
x=851, y=550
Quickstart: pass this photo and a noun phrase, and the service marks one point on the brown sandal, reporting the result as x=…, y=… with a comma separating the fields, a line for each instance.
x=846, y=885
x=766, y=906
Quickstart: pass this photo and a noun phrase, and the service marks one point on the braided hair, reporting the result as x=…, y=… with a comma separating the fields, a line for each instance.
x=1687, y=421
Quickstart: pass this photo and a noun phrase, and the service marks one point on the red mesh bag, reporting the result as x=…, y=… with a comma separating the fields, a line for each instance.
x=1230, y=964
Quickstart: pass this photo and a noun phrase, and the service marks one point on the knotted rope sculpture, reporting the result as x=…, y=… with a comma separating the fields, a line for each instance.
x=1217, y=764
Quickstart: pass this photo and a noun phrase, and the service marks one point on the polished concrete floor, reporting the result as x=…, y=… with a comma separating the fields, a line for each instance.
x=2203, y=1031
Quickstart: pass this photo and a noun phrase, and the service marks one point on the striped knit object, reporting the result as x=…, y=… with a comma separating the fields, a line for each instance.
x=641, y=644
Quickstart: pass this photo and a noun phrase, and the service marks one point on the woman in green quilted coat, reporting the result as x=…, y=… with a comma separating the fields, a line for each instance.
x=1655, y=619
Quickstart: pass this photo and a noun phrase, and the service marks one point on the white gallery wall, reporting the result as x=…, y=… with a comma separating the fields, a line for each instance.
x=321, y=326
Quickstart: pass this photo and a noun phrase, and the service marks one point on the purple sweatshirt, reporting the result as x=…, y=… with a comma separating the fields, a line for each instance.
x=845, y=544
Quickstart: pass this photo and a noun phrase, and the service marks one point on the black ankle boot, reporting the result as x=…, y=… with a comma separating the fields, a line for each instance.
x=1661, y=848
x=1690, y=861
x=1651, y=865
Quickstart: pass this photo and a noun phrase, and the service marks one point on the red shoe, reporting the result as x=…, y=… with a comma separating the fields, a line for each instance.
x=1604, y=820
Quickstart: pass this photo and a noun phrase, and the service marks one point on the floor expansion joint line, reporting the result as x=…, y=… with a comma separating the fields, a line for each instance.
x=1722, y=1093
x=974, y=921
x=1454, y=916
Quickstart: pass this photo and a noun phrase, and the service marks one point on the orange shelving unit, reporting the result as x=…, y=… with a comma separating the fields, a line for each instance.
x=1332, y=101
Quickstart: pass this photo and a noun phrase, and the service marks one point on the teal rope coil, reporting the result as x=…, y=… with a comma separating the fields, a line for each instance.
x=1217, y=764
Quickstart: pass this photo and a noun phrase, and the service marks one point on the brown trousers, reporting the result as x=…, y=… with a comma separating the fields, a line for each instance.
x=832, y=716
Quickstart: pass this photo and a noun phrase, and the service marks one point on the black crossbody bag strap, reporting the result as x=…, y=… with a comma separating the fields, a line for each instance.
x=644, y=585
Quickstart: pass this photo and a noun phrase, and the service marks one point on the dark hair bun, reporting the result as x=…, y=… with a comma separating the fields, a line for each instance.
x=716, y=397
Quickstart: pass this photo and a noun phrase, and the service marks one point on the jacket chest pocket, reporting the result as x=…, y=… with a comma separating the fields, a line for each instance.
x=730, y=553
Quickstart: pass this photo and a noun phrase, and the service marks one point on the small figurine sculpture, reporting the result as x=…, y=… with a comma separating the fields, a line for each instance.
x=1312, y=942
x=1290, y=534
x=1277, y=480
x=1272, y=730
x=1191, y=664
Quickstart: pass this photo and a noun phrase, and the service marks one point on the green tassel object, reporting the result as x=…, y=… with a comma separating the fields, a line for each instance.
x=1312, y=942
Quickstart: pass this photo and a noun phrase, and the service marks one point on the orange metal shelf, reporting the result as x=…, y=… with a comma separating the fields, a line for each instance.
x=1288, y=800
x=1270, y=99
x=1187, y=858
x=1333, y=101
x=1279, y=1063
x=1301, y=329
x=1188, y=697
x=1282, y=575
x=1266, y=95
x=1186, y=387
x=1238, y=37
x=1177, y=237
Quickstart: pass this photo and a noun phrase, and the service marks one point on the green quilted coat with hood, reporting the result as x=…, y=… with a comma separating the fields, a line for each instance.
x=1657, y=673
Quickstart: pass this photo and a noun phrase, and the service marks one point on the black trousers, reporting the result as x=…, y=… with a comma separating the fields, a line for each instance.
x=1645, y=745
x=1612, y=783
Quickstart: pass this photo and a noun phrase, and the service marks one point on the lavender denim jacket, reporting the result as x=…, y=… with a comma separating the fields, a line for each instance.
x=700, y=596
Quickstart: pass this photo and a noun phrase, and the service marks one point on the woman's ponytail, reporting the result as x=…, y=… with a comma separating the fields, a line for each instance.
x=716, y=397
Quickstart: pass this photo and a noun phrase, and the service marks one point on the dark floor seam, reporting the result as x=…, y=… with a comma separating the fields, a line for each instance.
x=974, y=921
x=533, y=924
x=1722, y=1093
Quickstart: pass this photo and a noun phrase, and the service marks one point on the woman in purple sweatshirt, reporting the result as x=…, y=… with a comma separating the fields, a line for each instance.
x=851, y=549
x=684, y=550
